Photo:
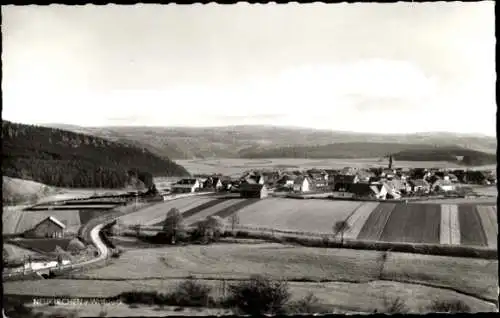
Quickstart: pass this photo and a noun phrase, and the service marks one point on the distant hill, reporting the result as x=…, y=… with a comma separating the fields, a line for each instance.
x=450, y=154
x=403, y=152
x=67, y=159
x=255, y=141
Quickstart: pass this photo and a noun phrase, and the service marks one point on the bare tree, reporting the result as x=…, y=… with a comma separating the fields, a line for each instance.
x=173, y=224
x=341, y=227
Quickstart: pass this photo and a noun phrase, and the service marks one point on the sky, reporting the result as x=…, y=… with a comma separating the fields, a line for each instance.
x=366, y=67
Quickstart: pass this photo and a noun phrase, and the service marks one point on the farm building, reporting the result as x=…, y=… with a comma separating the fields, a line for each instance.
x=248, y=190
x=186, y=185
x=302, y=184
x=49, y=227
x=419, y=185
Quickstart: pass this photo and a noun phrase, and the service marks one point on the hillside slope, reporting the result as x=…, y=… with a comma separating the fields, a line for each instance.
x=66, y=159
x=470, y=157
x=403, y=152
x=243, y=141
x=18, y=191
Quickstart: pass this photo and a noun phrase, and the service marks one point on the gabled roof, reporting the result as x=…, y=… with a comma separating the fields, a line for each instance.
x=55, y=221
x=187, y=181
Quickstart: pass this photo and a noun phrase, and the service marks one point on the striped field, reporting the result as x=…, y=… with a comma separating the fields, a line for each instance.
x=157, y=213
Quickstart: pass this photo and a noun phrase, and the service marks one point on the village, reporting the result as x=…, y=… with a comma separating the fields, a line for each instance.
x=356, y=183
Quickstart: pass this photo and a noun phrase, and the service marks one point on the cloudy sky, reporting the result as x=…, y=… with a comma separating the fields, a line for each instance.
x=400, y=67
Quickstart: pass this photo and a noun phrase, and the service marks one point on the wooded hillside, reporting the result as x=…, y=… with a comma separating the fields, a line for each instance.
x=67, y=159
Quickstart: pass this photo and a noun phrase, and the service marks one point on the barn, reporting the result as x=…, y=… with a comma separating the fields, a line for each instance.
x=49, y=227
x=248, y=190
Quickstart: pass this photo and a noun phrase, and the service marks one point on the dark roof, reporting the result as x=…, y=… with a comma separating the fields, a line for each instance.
x=187, y=181
x=251, y=187
x=362, y=189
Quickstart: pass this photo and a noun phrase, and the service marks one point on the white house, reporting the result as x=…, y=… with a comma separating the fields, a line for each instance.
x=186, y=185
x=302, y=184
x=443, y=185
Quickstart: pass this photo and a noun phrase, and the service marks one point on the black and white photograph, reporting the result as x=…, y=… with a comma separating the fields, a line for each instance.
x=249, y=159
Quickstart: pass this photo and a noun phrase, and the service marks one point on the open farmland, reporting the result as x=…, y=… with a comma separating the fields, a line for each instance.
x=471, y=229
x=489, y=221
x=413, y=224
x=157, y=213
x=211, y=210
x=234, y=167
x=478, y=277
x=342, y=297
x=316, y=216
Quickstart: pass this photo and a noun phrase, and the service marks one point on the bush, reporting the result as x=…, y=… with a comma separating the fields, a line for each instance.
x=307, y=305
x=449, y=306
x=259, y=295
x=191, y=293
x=188, y=293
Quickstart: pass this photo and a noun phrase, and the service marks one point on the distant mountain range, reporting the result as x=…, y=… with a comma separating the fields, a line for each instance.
x=280, y=142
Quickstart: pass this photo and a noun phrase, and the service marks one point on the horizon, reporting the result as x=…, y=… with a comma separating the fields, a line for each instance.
x=263, y=126
x=311, y=66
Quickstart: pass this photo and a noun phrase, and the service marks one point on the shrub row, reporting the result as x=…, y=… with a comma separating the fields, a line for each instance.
x=262, y=295
x=427, y=249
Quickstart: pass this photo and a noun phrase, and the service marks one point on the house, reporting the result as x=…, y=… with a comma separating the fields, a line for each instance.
x=343, y=181
x=286, y=181
x=348, y=171
x=186, y=186
x=388, y=173
x=49, y=227
x=368, y=191
x=213, y=183
x=364, y=175
x=302, y=184
x=443, y=186
x=248, y=190
x=420, y=185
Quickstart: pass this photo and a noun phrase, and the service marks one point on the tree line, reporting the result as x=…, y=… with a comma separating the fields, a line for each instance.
x=66, y=159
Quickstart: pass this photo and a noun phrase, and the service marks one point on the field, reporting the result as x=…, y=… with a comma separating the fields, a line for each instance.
x=341, y=297
x=233, y=167
x=157, y=213
x=297, y=215
x=234, y=261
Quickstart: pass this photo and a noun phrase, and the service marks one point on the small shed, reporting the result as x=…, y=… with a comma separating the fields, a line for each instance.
x=49, y=227
x=248, y=190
